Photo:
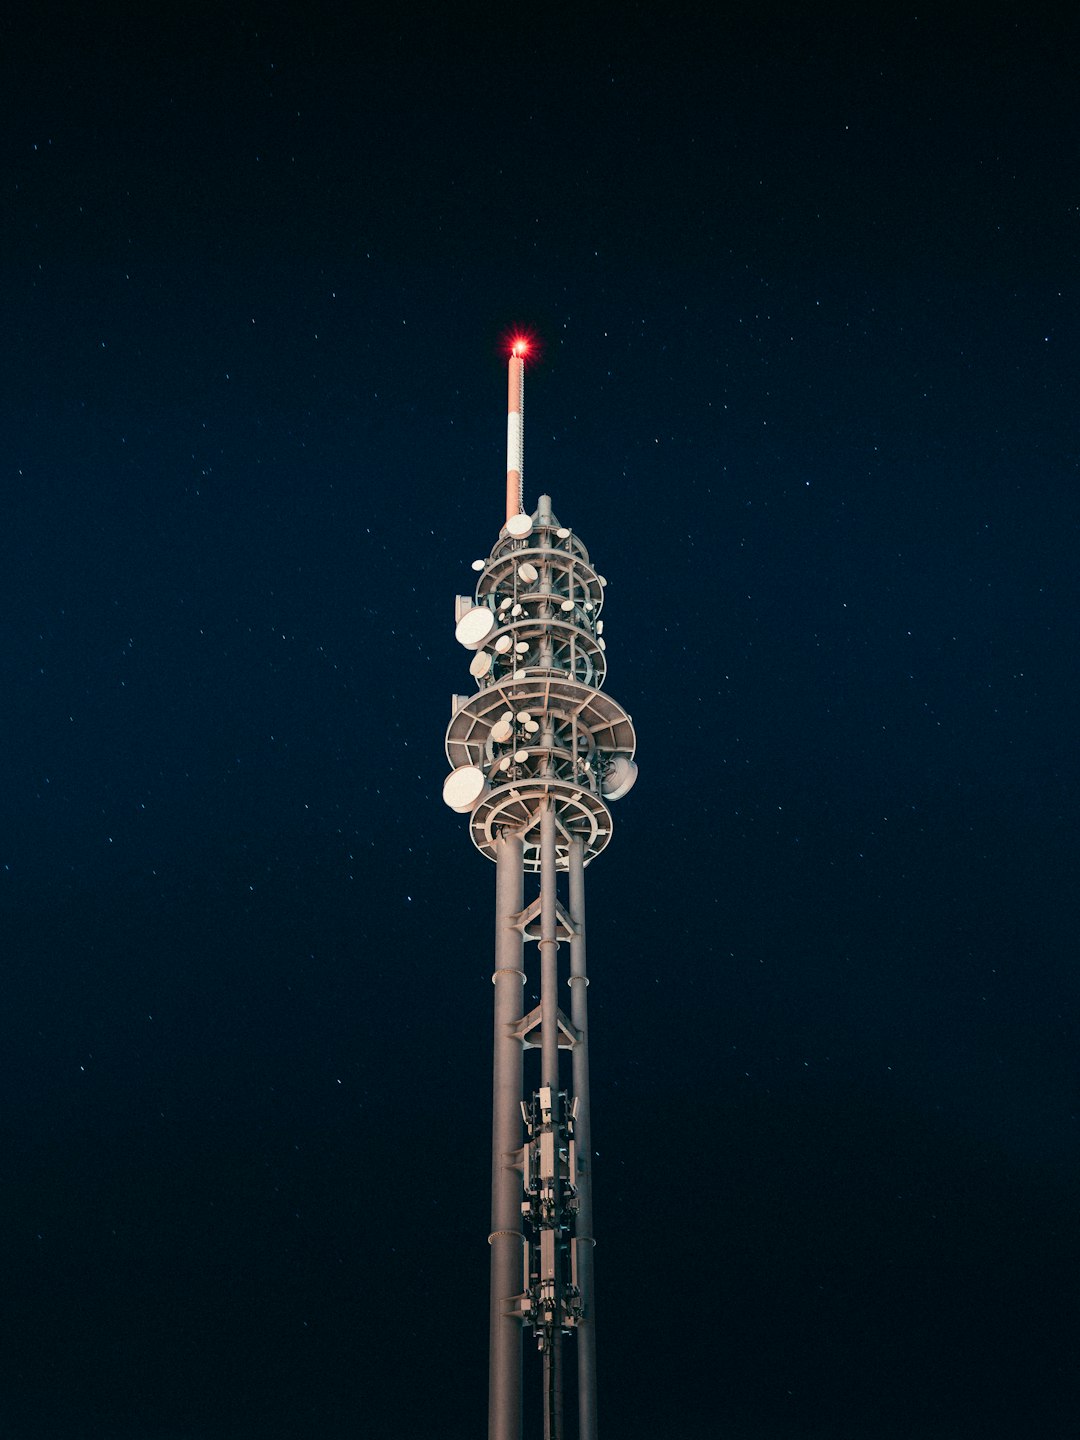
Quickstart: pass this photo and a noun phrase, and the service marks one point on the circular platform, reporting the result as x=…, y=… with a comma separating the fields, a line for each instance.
x=517, y=572
x=602, y=721
x=579, y=815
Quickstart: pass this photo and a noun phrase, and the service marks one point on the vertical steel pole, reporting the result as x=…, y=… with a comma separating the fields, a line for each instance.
x=579, y=1014
x=506, y=1239
x=549, y=957
x=549, y=1075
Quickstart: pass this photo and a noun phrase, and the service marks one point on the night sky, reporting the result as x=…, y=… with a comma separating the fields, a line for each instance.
x=806, y=292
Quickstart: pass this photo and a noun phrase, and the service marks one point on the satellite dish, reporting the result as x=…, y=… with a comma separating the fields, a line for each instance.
x=602, y=580
x=480, y=664
x=589, y=605
x=505, y=603
x=501, y=731
x=516, y=610
x=503, y=643
x=528, y=573
x=519, y=526
x=566, y=606
x=599, y=627
x=504, y=763
x=464, y=787
x=532, y=727
x=523, y=717
x=520, y=756
x=601, y=642
x=478, y=564
x=563, y=533
x=519, y=674
x=521, y=648
x=619, y=779
x=474, y=627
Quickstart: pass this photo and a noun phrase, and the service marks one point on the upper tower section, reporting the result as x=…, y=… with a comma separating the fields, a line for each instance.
x=539, y=728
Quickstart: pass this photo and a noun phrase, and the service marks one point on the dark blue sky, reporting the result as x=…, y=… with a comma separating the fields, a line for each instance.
x=806, y=291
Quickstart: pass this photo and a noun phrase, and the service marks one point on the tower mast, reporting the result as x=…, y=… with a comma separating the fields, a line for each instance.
x=538, y=754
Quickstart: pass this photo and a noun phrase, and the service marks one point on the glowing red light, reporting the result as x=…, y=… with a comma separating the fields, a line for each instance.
x=518, y=342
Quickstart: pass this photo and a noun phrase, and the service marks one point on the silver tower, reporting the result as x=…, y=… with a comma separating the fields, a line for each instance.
x=538, y=753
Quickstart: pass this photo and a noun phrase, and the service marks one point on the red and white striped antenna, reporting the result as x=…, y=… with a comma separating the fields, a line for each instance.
x=515, y=411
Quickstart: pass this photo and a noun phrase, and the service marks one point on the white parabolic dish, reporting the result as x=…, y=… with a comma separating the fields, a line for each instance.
x=619, y=780
x=519, y=526
x=463, y=788
x=474, y=627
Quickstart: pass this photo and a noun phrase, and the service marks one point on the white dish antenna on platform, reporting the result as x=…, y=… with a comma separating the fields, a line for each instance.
x=464, y=788
x=480, y=664
x=619, y=780
x=528, y=573
x=474, y=627
x=518, y=527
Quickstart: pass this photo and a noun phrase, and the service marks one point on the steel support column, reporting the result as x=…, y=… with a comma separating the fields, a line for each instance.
x=506, y=1239
x=549, y=958
x=579, y=1015
x=549, y=1076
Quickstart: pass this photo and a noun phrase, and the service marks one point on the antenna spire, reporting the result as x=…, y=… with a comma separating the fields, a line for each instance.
x=515, y=448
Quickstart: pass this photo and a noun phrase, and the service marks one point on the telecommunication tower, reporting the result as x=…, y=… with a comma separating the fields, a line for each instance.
x=538, y=754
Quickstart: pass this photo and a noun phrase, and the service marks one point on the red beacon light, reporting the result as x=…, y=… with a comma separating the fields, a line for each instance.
x=519, y=343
